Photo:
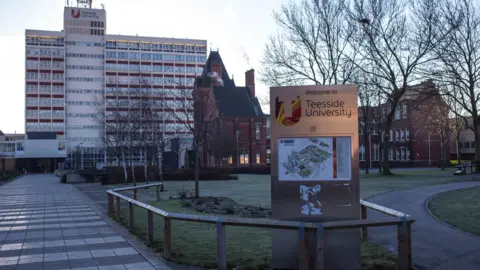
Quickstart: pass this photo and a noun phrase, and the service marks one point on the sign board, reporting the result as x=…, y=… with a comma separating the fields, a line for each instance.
x=315, y=169
x=87, y=14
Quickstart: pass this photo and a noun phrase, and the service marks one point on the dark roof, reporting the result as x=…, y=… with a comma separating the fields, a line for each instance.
x=236, y=102
x=1, y=133
x=214, y=58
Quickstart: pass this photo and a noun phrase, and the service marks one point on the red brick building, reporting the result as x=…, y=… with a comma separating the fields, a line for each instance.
x=236, y=135
x=412, y=143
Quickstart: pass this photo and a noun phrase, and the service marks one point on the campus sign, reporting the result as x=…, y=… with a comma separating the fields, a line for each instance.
x=315, y=170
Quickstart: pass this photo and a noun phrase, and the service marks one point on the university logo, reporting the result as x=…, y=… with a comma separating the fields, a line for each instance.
x=75, y=13
x=288, y=113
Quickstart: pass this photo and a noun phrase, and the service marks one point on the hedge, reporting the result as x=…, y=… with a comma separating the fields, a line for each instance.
x=7, y=175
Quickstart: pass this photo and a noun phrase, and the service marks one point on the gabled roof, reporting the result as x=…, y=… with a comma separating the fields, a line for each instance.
x=236, y=102
x=214, y=58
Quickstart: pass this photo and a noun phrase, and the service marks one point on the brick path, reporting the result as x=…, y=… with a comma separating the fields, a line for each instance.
x=48, y=225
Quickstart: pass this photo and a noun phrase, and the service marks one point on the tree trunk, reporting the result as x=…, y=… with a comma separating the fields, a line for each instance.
x=133, y=171
x=459, y=151
x=197, y=172
x=385, y=162
x=442, y=154
x=145, y=168
x=367, y=152
x=160, y=167
x=124, y=166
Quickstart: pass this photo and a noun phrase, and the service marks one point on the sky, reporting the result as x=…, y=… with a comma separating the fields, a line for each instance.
x=237, y=28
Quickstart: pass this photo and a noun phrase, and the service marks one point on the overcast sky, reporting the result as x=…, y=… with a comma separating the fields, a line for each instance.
x=236, y=27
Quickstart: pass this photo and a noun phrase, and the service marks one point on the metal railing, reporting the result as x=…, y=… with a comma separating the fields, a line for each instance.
x=399, y=219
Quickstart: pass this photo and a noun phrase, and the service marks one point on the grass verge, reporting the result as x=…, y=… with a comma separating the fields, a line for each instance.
x=249, y=248
x=458, y=208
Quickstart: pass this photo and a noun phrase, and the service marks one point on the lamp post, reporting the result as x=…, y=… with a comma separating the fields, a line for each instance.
x=238, y=152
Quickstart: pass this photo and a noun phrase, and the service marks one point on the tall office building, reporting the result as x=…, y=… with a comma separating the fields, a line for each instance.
x=73, y=75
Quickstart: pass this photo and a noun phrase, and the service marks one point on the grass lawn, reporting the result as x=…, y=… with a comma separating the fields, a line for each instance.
x=459, y=208
x=255, y=189
x=195, y=244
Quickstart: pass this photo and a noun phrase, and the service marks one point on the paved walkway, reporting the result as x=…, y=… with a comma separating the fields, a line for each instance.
x=48, y=225
x=434, y=244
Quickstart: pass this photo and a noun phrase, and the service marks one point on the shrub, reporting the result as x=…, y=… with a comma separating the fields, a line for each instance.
x=63, y=178
x=183, y=193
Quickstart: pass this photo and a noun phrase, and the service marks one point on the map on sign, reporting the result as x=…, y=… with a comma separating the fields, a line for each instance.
x=314, y=159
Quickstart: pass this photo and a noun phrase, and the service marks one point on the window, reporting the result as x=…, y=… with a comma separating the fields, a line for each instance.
x=397, y=135
x=376, y=152
x=257, y=131
x=390, y=154
x=61, y=146
x=397, y=113
x=244, y=158
x=391, y=135
x=472, y=144
x=403, y=152
x=404, y=111
x=466, y=145
x=402, y=135
x=20, y=147
x=268, y=155
x=407, y=155
x=397, y=154
x=407, y=134
x=361, y=152
x=257, y=158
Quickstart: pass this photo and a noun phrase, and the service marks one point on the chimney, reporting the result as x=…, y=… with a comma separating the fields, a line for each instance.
x=250, y=81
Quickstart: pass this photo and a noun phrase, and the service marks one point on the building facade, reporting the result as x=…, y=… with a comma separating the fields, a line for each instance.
x=78, y=77
x=413, y=140
x=234, y=124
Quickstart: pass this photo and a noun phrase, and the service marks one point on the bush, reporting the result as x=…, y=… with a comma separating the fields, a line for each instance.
x=116, y=175
x=63, y=178
x=7, y=175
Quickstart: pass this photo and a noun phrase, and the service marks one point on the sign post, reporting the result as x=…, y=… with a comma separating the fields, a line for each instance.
x=315, y=170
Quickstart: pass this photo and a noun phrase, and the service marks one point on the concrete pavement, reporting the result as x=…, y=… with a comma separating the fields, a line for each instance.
x=435, y=245
x=48, y=225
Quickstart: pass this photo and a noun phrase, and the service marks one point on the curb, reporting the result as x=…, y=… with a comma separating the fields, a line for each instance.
x=427, y=201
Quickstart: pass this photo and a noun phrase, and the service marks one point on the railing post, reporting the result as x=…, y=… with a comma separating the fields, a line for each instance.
x=404, y=257
x=221, y=246
x=303, y=258
x=131, y=216
x=158, y=193
x=409, y=243
x=135, y=194
x=167, y=238
x=117, y=211
x=365, y=229
x=110, y=203
x=320, y=257
x=150, y=226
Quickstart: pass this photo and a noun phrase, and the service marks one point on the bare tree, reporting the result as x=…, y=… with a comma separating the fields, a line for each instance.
x=196, y=113
x=458, y=65
x=311, y=46
x=394, y=38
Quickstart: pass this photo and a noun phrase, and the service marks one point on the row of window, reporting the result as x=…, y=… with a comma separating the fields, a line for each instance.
x=243, y=159
x=186, y=82
x=44, y=76
x=44, y=64
x=401, y=110
x=43, y=88
x=85, y=103
x=44, y=52
x=97, y=32
x=85, y=55
x=154, y=91
x=98, y=24
x=83, y=43
x=133, y=103
x=160, y=47
x=81, y=67
x=84, y=79
x=44, y=41
x=44, y=101
x=82, y=115
x=84, y=139
x=154, y=68
x=54, y=125
x=398, y=154
x=84, y=91
x=178, y=58
x=82, y=127
x=466, y=145
x=44, y=113
x=402, y=134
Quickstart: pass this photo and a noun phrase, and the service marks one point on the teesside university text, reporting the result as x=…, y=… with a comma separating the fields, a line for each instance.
x=326, y=107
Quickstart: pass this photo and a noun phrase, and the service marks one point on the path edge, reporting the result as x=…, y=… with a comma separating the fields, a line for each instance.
x=427, y=201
